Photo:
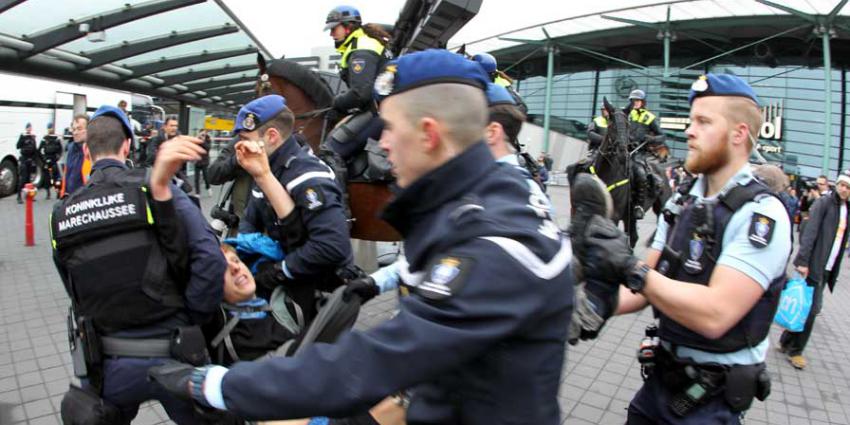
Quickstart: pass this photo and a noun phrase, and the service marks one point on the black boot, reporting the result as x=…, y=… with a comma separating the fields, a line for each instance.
x=640, y=190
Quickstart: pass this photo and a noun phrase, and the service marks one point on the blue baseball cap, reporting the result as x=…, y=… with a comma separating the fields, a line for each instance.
x=721, y=85
x=258, y=111
x=432, y=66
x=114, y=111
x=498, y=95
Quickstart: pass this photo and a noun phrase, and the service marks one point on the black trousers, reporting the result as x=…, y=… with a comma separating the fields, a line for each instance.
x=650, y=407
x=795, y=342
x=25, y=170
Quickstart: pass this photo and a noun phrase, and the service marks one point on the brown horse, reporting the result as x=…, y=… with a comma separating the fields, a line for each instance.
x=309, y=96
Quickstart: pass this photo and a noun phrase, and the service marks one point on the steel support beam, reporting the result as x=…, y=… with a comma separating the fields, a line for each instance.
x=8, y=4
x=224, y=91
x=827, y=104
x=746, y=46
x=237, y=95
x=64, y=33
x=197, y=75
x=132, y=48
x=164, y=64
x=221, y=82
x=547, y=107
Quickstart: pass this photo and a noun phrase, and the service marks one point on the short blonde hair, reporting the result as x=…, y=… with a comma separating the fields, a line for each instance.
x=743, y=110
x=460, y=107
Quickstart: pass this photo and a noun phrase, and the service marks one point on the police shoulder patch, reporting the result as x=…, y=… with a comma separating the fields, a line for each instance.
x=761, y=230
x=313, y=197
x=358, y=65
x=444, y=277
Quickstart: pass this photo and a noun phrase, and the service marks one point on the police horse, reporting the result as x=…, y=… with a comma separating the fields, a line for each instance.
x=309, y=97
x=612, y=164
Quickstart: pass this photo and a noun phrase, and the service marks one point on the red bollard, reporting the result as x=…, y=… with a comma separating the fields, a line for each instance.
x=30, y=191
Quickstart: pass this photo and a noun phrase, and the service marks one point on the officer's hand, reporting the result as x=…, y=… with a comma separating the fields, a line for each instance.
x=169, y=158
x=251, y=156
x=270, y=275
x=174, y=377
x=804, y=271
x=363, y=287
x=608, y=256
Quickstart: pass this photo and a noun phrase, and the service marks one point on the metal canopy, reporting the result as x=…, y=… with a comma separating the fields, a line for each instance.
x=162, y=48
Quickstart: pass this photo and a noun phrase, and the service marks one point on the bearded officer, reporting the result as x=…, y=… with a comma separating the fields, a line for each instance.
x=714, y=272
x=488, y=286
x=141, y=266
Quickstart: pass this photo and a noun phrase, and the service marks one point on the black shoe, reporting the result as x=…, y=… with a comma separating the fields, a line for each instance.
x=20, y=201
x=638, y=213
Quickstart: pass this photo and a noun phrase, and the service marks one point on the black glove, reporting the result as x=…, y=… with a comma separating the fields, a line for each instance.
x=270, y=275
x=363, y=287
x=334, y=115
x=608, y=256
x=175, y=377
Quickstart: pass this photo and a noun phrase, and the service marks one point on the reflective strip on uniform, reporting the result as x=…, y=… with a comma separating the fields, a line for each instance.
x=307, y=176
x=532, y=262
x=148, y=207
x=363, y=42
x=644, y=117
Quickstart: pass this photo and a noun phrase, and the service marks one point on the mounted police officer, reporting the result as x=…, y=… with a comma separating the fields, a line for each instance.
x=141, y=267
x=489, y=65
x=644, y=134
x=597, y=130
x=487, y=287
x=27, y=161
x=713, y=274
x=364, y=50
x=51, y=150
x=313, y=232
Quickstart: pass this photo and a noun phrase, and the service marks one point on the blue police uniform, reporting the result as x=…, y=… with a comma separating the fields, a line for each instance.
x=752, y=235
x=485, y=301
x=124, y=378
x=326, y=246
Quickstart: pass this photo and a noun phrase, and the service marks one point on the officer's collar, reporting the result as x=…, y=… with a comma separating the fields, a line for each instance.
x=439, y=186
x=354, y=34
x=107, y=163
x=741, y=178
x=288, y=149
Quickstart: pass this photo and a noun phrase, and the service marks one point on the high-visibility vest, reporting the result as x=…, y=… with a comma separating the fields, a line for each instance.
x=641, y=116
x=358, y=40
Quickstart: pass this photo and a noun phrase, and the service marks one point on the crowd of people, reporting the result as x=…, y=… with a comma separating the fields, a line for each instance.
x=491, y=291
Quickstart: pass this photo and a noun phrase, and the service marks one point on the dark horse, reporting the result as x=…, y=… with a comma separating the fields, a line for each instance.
x=309, y=96
x=612, y=164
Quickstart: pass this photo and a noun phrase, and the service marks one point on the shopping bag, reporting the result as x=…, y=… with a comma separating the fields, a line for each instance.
x=794, y=304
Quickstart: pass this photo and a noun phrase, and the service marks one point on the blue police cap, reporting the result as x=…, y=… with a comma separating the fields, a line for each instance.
x=258, y=111
x=721, y=85
x=498, y=95
x=113, y=111
x=432, y=66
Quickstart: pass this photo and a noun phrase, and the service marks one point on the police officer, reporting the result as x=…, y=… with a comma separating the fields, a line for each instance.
x=313, y=232
x=597, y=130
x=141, y=266
x=51, y=150
x=643, y=130
x=713, y=273
x=364, y=50
x=485, y=299
x=27, y=161
x=489, y=65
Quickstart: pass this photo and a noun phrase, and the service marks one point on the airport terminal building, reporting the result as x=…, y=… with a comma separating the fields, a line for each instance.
x=782, y=52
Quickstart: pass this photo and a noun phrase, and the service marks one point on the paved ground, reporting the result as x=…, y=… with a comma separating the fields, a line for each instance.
x=599, y=378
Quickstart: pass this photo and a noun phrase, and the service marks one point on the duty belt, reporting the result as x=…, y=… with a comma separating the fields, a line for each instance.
x=128, y=347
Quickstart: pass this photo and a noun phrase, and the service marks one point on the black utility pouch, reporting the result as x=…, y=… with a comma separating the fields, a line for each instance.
x=91, y=343
x=189, y=346
x=83, y=407
x=741, y=385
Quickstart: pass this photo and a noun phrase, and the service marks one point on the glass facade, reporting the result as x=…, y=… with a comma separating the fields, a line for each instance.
x=792, y=98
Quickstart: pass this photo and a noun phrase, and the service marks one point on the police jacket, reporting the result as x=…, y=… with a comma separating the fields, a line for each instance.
x=818, y=236
x=50, y=147
x=326, y=245
x=643, y=127
x=743, y=227
x=596, y=132
x=27, y=146
x=485, y=303
x=109, y=243
x=362, y=57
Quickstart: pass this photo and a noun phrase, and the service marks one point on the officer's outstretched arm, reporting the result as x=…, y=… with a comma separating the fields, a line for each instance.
x=480, y=302
x=362, y=69
x=631, y=302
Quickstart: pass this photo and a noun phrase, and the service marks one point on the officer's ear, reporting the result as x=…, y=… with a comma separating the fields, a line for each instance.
x=431, y=134
x=86, y=152
x=494, y=133
x=125, y=147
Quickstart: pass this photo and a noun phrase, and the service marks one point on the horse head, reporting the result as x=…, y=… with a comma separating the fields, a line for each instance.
x=617, y=138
